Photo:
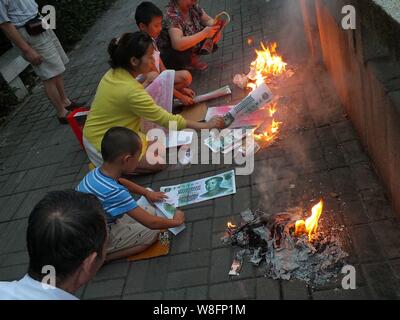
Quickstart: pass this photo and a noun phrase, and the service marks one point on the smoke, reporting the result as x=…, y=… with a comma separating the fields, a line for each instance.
x=283, y=174
x=290, y=33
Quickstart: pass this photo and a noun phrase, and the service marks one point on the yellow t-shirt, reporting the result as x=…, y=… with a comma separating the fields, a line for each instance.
x=121, y=101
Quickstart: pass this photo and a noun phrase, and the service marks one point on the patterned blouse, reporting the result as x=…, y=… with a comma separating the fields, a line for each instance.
x=174, y=19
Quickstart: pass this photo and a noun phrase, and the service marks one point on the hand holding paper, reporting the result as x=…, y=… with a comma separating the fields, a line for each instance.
x=253, y=102
x=221, y=20
x=153, y=196
x=143, y=203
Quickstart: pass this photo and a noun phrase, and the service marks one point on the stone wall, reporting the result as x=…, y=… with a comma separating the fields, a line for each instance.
x=365, y=68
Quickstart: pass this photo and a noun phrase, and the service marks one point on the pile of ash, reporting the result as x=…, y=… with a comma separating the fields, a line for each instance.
x=269, y=241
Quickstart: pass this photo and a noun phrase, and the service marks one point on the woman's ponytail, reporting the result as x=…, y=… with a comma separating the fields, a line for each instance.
x=130, y=45
x=112, y=48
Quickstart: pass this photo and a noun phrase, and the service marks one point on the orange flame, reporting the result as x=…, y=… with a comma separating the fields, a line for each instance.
x=310, y=226
x=275, y=126
x=270, y=134
x=268, y=63
x=231, y=225
x=272, y=109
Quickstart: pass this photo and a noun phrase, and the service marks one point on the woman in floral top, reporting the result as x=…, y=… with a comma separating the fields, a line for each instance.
x=185, y=27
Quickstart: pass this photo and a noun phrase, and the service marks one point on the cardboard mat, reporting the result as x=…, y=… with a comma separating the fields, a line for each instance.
x=196, y=112
x=158, y=249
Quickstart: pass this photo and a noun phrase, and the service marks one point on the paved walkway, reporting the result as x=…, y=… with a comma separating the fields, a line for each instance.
x=318, y=153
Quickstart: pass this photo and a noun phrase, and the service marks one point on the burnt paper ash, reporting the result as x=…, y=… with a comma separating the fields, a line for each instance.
x=269, y=242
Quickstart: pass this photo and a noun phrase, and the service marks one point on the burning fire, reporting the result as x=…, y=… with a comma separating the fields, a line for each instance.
x=231, y=225
x=273, y=109
x=268, y=63
x=269, y=135
x=310, y=226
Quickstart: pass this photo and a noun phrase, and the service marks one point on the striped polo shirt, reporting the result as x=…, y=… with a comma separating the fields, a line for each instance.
x=115, y=198
x=18, y=12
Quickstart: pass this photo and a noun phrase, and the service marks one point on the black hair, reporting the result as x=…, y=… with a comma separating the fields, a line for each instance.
x=130, y=45
x=64, y=228
x=146, y=11
x=119, y=141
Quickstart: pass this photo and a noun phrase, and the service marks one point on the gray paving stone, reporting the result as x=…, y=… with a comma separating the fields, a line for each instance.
x=382, y=281
x=294, y=290
x=11, y=273
x=216, y=240
x=108, y=288
x=197, y=293
x=67, y=179
x=181, y=243
x=223, y=207
x=200, y=213
x=344, y=131
x=190, y=260
x=364, y=176
x=14, y=259
x=365, y=243
x=13, y=237
x=236, y=290
x=340, y=294
x=37, y=178
x=326, y=136
x=11, y=163
x=378, y=210
x=354, y=213
x=187, y=278
x=144, y=296
x=242, y=200
x=334, y=157
x=10, y=206
x=29, y=202
x=113, y=270
x=175, y=294
x=43, y=157
x=353, y=152
x=343, y=185
x=135, y=282
x=388, y=236
x=3, y=227
x=13, y=180
x=267, y=289
x=221, y=261
x=155, y=279
x=395, y=264
x=201, y=238
x=108, y=298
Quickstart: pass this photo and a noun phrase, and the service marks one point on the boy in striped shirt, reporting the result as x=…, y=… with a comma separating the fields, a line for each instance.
x=132, y=229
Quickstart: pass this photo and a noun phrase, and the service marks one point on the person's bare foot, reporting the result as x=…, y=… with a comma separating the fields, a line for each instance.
x=189, y=92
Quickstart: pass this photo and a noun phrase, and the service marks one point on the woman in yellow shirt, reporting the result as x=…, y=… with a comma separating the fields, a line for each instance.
x=122, y=101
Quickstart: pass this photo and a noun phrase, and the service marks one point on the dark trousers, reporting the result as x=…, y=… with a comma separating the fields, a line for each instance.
x=180, y=60
x=176, y=60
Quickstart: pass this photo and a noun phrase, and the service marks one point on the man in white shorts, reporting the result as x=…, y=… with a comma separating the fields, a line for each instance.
x=19, y=21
